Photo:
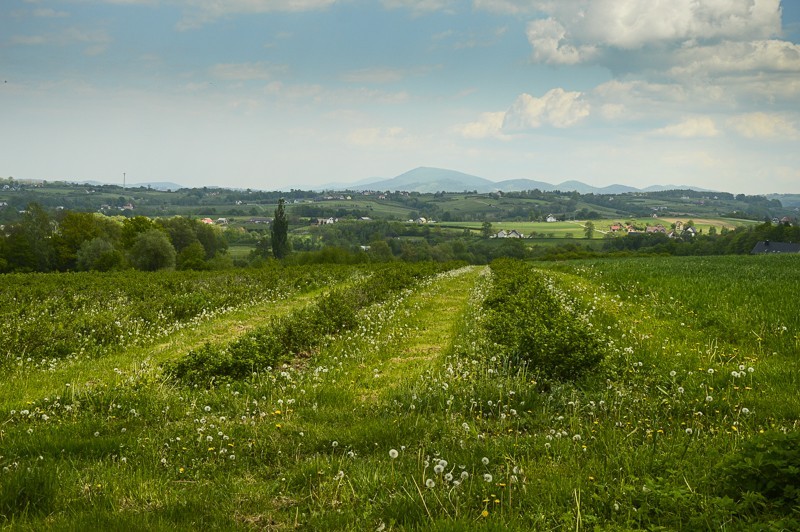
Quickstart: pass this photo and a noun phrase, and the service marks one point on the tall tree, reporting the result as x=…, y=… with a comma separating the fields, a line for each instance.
x=279, y=231
x=588, y=229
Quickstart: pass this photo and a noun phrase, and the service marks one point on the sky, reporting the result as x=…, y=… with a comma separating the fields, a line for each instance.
x=281, y=94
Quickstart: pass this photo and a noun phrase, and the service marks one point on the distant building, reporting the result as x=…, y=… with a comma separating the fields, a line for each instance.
x=551, y=218
x=502, y=233
x=766, y=246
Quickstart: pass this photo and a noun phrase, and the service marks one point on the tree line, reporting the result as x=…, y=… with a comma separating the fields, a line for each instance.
x=71, y=241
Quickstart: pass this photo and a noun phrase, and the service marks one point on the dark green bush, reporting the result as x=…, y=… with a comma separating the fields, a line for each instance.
x=767, y=465
x=534, y=327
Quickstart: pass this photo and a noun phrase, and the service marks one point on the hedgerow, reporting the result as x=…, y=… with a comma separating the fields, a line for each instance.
x=301, y=331
x=536, y=325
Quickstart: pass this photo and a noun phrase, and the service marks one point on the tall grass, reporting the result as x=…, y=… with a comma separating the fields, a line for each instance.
x=415, y=419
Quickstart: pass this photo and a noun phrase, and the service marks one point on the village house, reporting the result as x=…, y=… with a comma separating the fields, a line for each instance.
x=550, y=218
x=502, y=233
x=651, y=229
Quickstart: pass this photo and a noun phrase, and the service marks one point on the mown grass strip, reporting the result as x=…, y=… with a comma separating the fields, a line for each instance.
x=33, y=385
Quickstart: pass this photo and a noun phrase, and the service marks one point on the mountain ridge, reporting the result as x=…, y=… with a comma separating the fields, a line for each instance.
x=426, y=179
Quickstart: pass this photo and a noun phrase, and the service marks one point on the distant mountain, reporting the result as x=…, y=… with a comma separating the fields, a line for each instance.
x=514, y=185
x=427, y=180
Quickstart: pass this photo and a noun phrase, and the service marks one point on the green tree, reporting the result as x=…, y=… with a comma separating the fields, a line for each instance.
x=486, y=229
x=98, y=254
x=152, y=251
x=37, y=231
x=279, y=231
x=588, y=229
x=192, y=257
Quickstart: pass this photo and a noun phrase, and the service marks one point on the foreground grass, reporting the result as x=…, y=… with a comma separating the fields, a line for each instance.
x=414, y=421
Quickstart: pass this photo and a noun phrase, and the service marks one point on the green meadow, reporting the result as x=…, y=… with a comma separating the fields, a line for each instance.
x=639, y=393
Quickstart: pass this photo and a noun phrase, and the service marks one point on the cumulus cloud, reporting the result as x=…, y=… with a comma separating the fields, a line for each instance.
x=635, y=24
x=763, y=126
x=772, y=56
x=557, y=108
x=550, y=44
x=695, y=127
x=488, y=125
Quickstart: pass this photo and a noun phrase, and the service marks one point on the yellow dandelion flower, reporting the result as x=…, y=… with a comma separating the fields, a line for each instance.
x=485, y=513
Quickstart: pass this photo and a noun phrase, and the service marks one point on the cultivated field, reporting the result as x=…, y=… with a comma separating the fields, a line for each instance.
x=653, y=393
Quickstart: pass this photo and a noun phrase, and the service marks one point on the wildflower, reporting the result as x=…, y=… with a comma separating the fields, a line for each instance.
x=430, y=483
x=485, y=513
x=464, y=475
x=207, y=408
x=709, y=398
x=393, y=453
x=672, y=373
x=710, y=371
x=577, y=437
x=334, y=444
x=689, y=431
x=745, y=411
x=680, y=389
x=485, y=460
x=487, y=477
x=438, y=469
x=448, y=477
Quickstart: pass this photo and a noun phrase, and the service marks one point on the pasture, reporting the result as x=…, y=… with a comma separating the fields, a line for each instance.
x=642, y=393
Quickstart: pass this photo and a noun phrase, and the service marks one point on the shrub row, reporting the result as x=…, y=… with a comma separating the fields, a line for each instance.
x=50, y=317
x=301, y=331
x=536, y=325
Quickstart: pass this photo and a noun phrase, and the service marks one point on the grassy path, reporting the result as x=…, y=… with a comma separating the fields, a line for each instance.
x=33, y=385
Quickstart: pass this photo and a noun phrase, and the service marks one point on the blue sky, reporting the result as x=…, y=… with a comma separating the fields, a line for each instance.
x=279, y=94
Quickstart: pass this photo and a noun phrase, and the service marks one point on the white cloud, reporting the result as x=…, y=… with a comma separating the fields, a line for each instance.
x=488, y=125
x=556, y=108
x=763, y=126
x=772, y=56
x=548, y=37
x=695, y=127
x=634, y=24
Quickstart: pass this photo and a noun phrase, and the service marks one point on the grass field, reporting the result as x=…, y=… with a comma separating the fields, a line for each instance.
x=409, y=404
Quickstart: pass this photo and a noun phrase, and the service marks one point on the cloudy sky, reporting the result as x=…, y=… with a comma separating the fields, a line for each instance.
x=279, y=94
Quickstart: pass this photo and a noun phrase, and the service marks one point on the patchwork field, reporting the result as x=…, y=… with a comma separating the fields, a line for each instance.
x=647, y=393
